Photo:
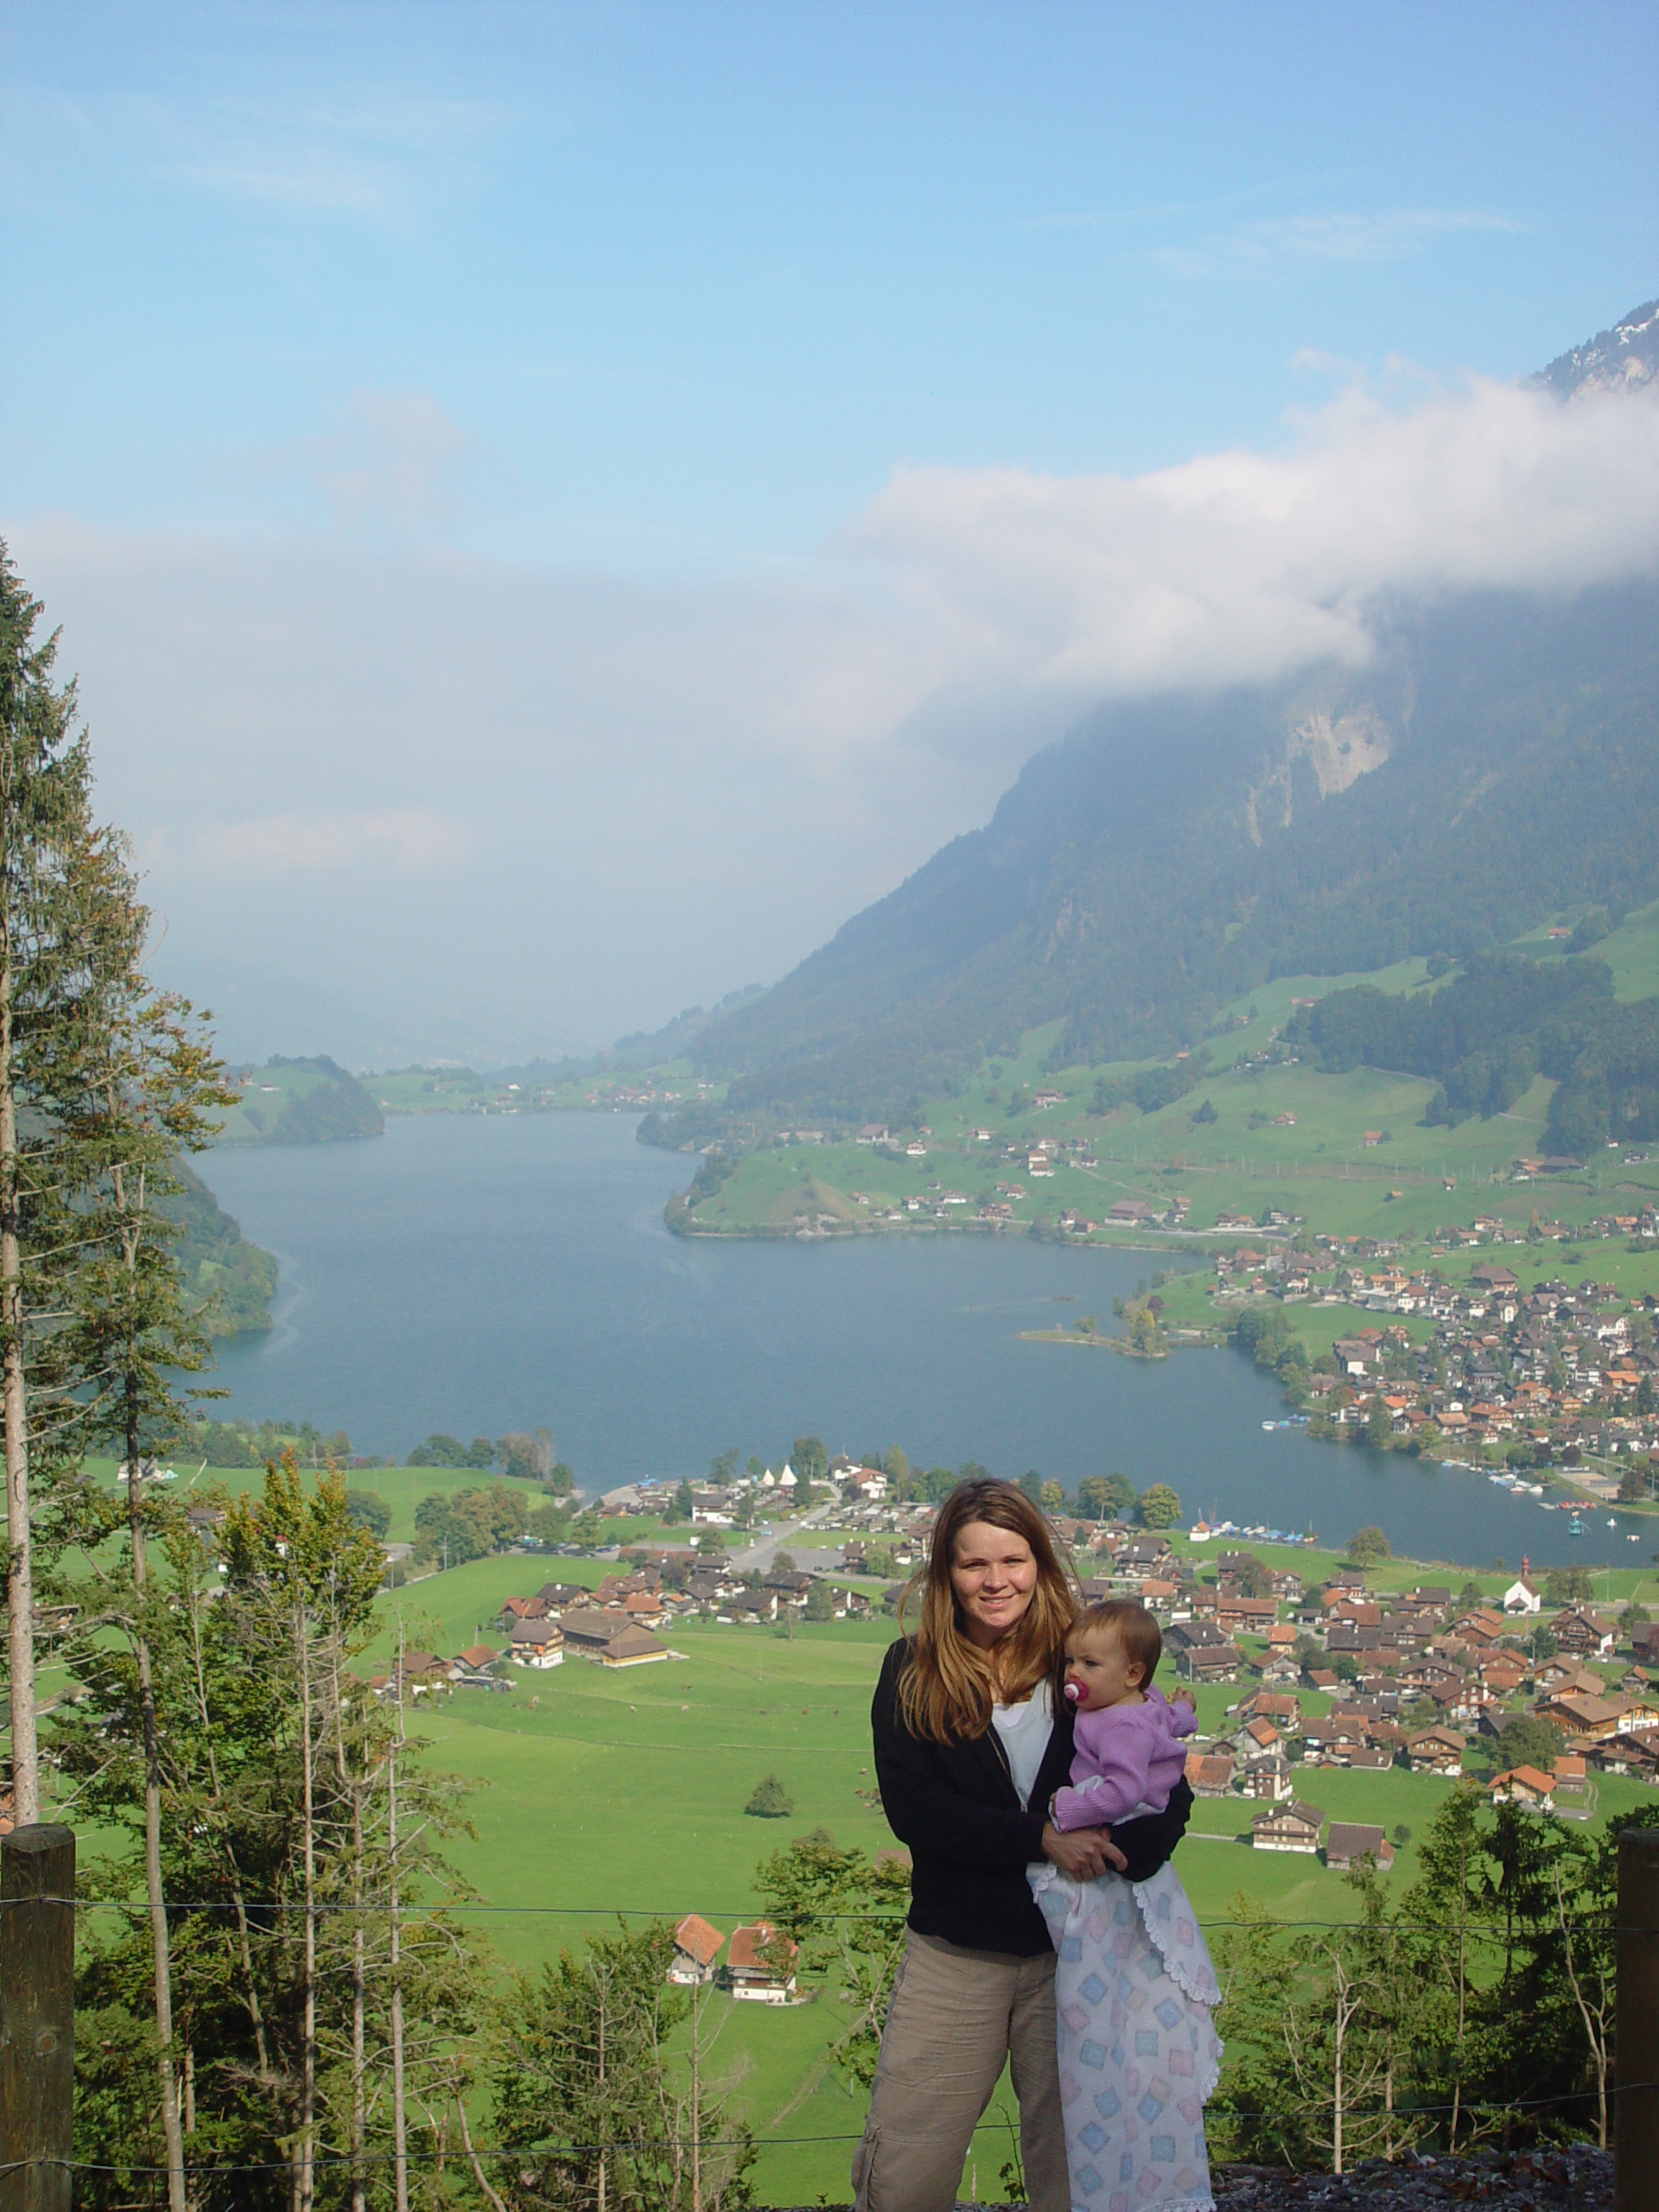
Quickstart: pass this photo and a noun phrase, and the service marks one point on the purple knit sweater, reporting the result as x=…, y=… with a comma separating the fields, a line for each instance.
x=1126, y=1758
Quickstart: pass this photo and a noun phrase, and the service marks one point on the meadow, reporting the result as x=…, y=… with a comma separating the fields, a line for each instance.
x=593, y=1793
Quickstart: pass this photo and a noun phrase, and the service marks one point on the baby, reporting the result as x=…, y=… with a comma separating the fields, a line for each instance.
x=1127, y=1755
x=1134, y=1988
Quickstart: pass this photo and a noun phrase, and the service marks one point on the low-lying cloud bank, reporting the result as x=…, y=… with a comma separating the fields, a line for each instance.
x=1239, y=567
x=437, y=803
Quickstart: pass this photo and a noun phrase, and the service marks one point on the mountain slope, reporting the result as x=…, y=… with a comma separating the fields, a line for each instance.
x=1498, y=761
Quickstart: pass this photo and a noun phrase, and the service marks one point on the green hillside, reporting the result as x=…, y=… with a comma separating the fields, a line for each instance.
x=1491, y=770
x=299, y=1102
x=234, y=1280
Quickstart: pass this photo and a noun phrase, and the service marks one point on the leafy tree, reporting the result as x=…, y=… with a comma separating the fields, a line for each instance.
x=784, y=1563
x=684, y=1502
x=1105, y=1498
x=1366, y=1546
x=1206, y=1113
x=1157, y=1507
x=723, y=1468
x=770, y=1801
x=588, y=2100
x=820, y=1604
x=1529, y=1741
x=438, y=1451
x=368, y=1507
x=1053, y=1497
x=1379, y=1424
x=1568, y=1585
x=846, y=1913
x=810, y=1458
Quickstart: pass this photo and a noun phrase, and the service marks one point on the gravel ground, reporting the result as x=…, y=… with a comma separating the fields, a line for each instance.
x=1577, y=2179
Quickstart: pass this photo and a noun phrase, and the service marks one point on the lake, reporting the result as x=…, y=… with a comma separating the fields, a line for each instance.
x=475, y=1275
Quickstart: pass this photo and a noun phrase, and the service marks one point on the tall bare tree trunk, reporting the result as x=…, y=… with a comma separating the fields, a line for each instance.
x=360, y=2085
x=399, y=2109
x=20, y=1585
x=256, y=2011
x=172, y=2135
x=307, y=2177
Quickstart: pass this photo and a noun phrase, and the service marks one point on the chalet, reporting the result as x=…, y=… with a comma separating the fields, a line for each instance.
x=421, y=1671
x=472, y=1669
x=696, y=1946
x=1209, y=1662
x=1583, y=1633
x=1632, y=1755
x=1270, y=1781
x=540, y=1643
x=1146, y=1555
x=1277, y=1706
x=1129, y=1209
x=1565, y=1678
x=1209, y=1774
x=1259, y=1738
x=1248, y=1616
x=1524, y=1785
x=1644, y=1643
x=1593, y=1718
x=1369, y=1759
x=1294, y=1827
x=1191, y=1636
x=761, y=1965
x=610, y=1640
x=1348, y=1842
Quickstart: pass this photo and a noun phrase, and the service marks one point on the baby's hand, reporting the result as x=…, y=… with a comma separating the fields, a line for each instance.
x=1183, y=1695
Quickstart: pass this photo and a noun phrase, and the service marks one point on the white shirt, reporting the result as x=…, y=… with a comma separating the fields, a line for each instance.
x=1025, y=1730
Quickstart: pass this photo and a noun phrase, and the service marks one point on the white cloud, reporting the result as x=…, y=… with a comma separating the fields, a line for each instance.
x=522, y=807
x=1238, y=566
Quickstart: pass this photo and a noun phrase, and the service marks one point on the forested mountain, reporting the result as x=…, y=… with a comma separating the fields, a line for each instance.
x=312, y=1101
x=233, y=1279
x=1498, y=762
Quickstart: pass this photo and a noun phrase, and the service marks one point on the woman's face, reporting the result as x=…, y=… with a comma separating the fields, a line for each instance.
x=993, y=1573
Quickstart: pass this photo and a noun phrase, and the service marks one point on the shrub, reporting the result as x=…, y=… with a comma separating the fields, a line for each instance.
x=771, y=1801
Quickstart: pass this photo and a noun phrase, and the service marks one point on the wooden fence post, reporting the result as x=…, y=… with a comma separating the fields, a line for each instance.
x=1636, y=2110
x=37, y=2018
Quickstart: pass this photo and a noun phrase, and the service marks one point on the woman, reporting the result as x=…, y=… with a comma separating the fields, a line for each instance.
x=970, y=1744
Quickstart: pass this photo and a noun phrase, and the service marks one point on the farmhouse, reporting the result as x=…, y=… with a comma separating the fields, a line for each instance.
x=1294, y=1827
x=1350, y=1840
x=1436, y=1750
x=1582, y=1633
x=1209, y=1774
x=761, y=1965
x=1524, y=1785
x=537, y=1644
x=696, y=1946
x=611, y=1640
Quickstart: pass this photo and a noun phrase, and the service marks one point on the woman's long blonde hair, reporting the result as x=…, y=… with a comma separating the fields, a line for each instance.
x=948, y=1685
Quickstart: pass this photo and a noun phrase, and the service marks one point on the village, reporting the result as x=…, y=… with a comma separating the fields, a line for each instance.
x=1553, y=1374
x=1531, y=1693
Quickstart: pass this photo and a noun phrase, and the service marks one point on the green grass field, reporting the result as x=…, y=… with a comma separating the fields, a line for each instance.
x=599, y=1791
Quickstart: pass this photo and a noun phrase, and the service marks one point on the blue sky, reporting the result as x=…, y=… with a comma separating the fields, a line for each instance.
x=645, y=337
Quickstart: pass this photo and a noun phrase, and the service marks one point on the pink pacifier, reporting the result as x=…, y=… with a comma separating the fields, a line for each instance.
x=1074, y=1692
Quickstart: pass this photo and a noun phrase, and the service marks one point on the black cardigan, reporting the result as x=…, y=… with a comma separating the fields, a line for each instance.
x=956, y=1807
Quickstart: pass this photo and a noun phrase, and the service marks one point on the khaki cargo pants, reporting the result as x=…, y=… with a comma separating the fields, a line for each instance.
x=956, y=2016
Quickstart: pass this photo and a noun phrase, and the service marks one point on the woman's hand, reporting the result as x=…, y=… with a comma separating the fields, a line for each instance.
x=1084, y=1853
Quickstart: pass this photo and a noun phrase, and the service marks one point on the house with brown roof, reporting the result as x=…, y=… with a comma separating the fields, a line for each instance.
x=1583, y=1633
x=1270, y=1781
x=536, y=1644
x=1593, y=1718
x=696, y=1946
x=1348, y=1842
x=1294, y=1827
x=611, y=1640
x=761, y=1965
x=1435, y=1751
x=1209, y=1774
x=1524, y=1785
